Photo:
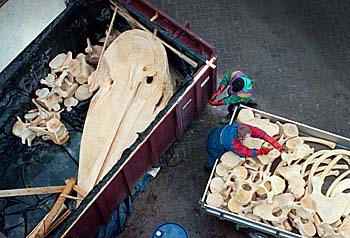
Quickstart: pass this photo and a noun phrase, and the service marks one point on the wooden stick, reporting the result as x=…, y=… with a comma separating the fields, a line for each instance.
x=30, y=191
x=35, y=230
x=154, y=17
x=58, y=221
x=80, y=191
x=133, y=21
x=71, y=197
x=54, y=210
x=38, y=190
x=104, y=46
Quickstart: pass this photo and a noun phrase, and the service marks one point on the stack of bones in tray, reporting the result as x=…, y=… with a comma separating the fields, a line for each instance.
x=288, y=189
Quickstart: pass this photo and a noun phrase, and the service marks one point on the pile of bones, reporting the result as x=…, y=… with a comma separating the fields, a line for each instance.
x=67, y=84
x=286, y=190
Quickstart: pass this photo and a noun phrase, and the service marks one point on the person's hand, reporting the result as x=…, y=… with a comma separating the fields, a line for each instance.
x=273, y=142
x=217, y=93
x=263, y=151
x=277, y=145
x=216, y=103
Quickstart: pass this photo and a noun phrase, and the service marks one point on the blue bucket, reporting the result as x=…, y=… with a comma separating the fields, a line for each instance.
x=170, y=230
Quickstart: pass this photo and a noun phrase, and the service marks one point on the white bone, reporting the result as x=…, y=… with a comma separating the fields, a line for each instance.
x=229, y=160
x=245, y=115
x=295, y=180
x=83, y=92
x=216, y=185
x=70, y=102
x=307, y=229
x=329, y=209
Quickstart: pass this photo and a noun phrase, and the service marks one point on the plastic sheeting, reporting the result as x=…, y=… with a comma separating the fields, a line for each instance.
x=120, y=216
x=44, y=163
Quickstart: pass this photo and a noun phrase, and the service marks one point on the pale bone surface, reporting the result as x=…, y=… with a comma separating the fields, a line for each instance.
x=287, y=195
x=134, y=86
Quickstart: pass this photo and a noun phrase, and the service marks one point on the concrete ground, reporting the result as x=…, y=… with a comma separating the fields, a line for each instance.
x=298, y=54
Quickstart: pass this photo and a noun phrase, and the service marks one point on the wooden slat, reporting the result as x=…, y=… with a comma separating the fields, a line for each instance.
x=55, y=209
x=38, y=190
x=30, y=191
x=71, y=197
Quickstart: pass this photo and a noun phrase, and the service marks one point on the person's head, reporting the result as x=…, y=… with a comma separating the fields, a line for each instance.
x=243, y=132
x=237, y=85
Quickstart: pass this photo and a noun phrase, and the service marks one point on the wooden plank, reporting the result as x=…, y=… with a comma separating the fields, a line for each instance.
x=58, y=221
x=38, y=190
x=35, y=230
x=30, y=191
x=55, y=209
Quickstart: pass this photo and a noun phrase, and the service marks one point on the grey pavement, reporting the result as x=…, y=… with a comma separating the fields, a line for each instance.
x=298, y=54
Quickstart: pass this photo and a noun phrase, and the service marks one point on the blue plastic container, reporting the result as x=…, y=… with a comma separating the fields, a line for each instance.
x=170, y=230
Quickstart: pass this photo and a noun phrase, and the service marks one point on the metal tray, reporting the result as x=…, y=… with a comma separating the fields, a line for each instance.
x=243, y=222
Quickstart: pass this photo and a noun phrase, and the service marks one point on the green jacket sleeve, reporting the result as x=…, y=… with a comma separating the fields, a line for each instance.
x=226, y=80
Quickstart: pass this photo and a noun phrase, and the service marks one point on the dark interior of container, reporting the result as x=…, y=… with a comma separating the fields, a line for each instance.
x=45, y=163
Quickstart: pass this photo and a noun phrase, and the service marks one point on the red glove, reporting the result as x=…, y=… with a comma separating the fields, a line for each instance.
x=263, y=151
x=273, y=142
x=216, y=103
x=217, y=92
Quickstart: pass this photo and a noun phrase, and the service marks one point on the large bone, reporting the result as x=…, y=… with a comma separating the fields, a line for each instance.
x=245, y=190
x=253, y=143
x=323, y=157
x=245, y=115
x=295, y=180
x=134, y=86
x=311, y=159
x=230, y=160
x=336, y=182
x=332, y=164
x=215, y=200
x=306, y=229
x=273, y=186
x=267, y=211
x=329, y=209
x=216, y=185
x=290, y=130
x=330, y=144
x=270, y=128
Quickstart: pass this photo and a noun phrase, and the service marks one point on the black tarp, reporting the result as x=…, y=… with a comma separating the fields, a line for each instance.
x=45, y=163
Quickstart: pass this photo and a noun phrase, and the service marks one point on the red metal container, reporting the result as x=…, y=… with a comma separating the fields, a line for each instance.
x=121, y=180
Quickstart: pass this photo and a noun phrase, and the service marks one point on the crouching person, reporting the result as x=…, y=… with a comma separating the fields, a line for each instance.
x=230, y=138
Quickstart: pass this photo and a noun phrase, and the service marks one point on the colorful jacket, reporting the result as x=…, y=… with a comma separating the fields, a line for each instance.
x=229, y=140
x=236, y=97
